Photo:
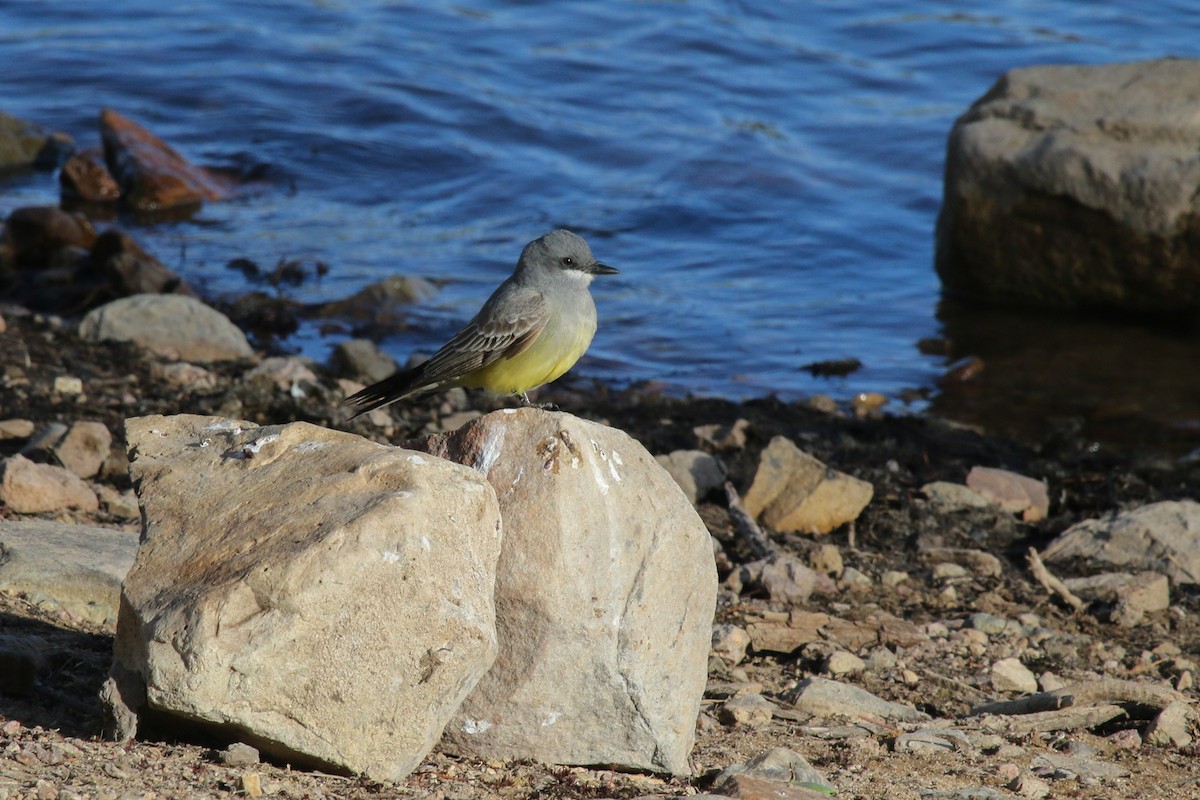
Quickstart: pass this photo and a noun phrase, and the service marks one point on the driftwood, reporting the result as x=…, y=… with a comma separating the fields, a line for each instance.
x=745, y=526
x=1064, y=719
x=1049, y=582
x=1088, y=693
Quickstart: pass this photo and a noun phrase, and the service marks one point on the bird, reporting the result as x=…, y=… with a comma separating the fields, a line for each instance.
x=533, y=328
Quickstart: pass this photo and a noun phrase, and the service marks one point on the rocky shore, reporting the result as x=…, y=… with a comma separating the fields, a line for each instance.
x=917, y=650
x=907, y=607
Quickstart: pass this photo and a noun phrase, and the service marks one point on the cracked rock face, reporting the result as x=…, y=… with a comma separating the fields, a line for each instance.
x=605, y=594
x=323, y=597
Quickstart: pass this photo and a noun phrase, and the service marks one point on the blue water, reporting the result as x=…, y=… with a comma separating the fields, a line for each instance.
x=766, y=175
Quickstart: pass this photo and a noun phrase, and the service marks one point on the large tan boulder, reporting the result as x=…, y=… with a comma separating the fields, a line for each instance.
x=605, y=595
x=1077, y=187
x=326, y=597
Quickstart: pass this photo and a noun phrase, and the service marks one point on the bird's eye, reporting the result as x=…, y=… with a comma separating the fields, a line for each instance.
x=567, y=261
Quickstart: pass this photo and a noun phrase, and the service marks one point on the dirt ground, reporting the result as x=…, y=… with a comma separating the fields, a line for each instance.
x=920, y=637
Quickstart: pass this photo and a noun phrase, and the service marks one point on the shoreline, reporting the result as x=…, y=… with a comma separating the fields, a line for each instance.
x=896, y=597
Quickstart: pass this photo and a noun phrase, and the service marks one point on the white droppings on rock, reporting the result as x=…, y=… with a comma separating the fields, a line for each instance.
x=391, y=556
x=310, y=447
x=493, y=446
x=551, y=718
x=473, y=726
x=222, y=426
x=415, y=459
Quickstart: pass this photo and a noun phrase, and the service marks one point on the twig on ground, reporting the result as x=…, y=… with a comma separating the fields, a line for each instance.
x=1049, y=582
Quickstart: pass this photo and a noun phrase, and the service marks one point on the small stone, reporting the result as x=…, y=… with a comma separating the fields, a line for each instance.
x=881, y=659
x=893, y=578
x=730, y=643
x=828, y=698
x=362, y=359
x=868, y=404
x=252, y=784
x=1049, y=682
x=780, y=765
x=68, y=385
x=697, y=473
x=284, y=372
x=793, y=492
x=748, y=787
x=1012, y=492
x=992, y=625
x=828, y=559
x=723, y=437
x=16, y=429
x=1126, y=739
x=854, y=577
x=1010, y=675
x=1171, y=728
x=123, y=505
x=748, y=711
x=842, y=663
x=948, y=571
x=30, y=488
x=84, y=448
x=953, y=496
x=185, y=376
x=239, y=754
x=1029, y=786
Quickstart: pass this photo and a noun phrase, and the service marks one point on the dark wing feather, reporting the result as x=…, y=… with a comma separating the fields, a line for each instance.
x=486, y=339
x=490, y=337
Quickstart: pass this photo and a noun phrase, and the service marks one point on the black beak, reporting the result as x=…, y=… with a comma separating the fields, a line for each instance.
x=603, y=269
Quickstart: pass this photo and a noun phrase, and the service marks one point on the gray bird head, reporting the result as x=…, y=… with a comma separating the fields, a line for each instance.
x=562, y=253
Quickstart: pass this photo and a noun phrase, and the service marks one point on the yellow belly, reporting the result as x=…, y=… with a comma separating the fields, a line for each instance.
x=551, y=355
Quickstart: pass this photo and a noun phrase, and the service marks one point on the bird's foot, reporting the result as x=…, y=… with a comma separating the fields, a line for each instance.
x=525, y=401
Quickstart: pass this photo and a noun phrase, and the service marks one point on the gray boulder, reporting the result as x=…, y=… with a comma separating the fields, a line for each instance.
x=73, y=569
x=170, y=325
x=1159, y=537
x=327, y=597
x=605, y=595
x=1077, y=187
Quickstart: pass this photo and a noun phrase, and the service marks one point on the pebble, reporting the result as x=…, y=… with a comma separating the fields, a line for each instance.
x=184, y=375
x=723, y=437
x=842, y=663
x=285, y=372
x=730, y=643
x=1170, y=727
x=777, y=764
x=949, y=571
x=84, y=448
x=30, y=488
x=16, y=429
x=749, y=710
x=695, y=472
x=826, y=558
x=1049, y=682
x=1029, y=786
x=1126, y=739
x=992, y=625
x=854, y=577
x=68, y=385
x=239, y=754
x=893, y=578
x=1010, y=675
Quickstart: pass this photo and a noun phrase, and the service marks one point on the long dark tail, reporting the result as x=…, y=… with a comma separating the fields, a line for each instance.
x=388, y=390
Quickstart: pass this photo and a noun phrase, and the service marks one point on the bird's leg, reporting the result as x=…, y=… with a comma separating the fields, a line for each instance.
x=542, y=406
